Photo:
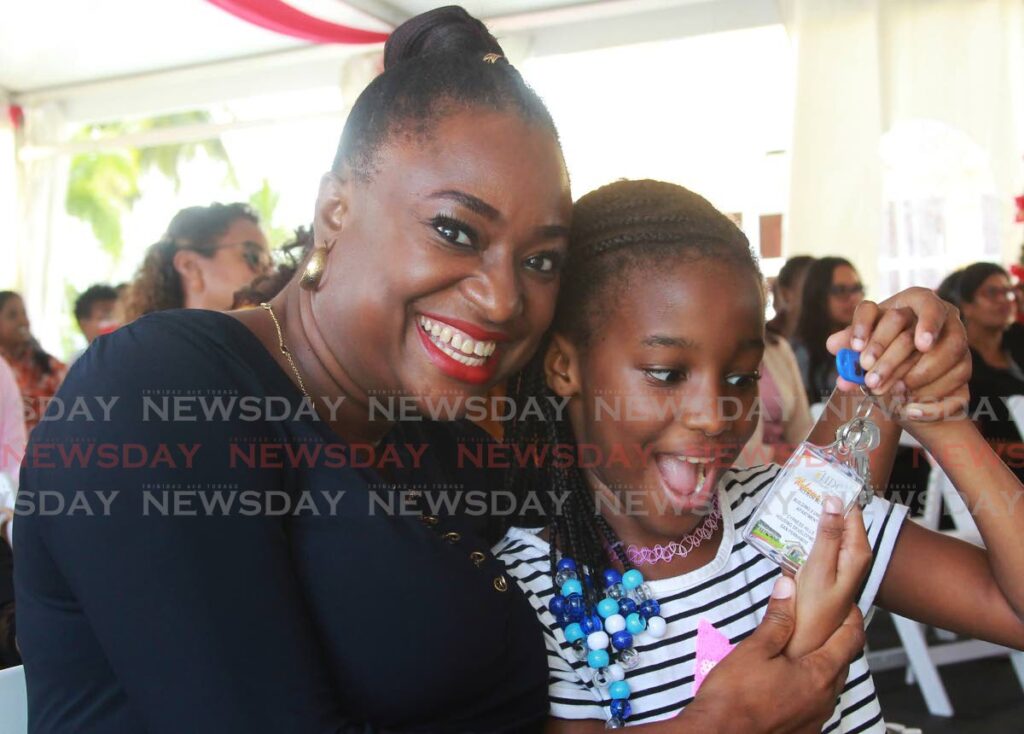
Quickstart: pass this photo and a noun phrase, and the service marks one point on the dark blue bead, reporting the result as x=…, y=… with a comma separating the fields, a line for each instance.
x=567, y=564
x=626, y=606
x=575, y=608
x=592, y=623
x=557, y=604
x=650, y=608
x=611, y=577
x=562, y=620
x=621, y=708
x=622, y=640
x=587, y=581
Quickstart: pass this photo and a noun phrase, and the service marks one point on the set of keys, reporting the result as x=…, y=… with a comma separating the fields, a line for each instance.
x=784, y=526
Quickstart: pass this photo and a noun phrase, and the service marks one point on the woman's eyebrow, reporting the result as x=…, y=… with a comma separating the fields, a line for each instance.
x=553, y=232
x=473, y=203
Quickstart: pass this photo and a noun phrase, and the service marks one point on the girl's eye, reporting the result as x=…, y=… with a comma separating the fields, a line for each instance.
x=667, y=377
x=545, y=262
x=454, y=231
x=745, y=380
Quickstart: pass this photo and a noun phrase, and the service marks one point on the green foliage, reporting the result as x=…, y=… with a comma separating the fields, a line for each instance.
x=264, y=202
x=104, y=185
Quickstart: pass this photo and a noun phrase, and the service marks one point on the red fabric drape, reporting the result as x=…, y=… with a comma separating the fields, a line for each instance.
x=278, y=16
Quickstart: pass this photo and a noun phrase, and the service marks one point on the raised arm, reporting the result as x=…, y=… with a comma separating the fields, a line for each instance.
x=949, y=583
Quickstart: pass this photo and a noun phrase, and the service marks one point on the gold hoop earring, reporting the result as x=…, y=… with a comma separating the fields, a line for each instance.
x=314, y=269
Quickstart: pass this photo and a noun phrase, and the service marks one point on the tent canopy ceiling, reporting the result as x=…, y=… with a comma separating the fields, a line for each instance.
x=61, y=43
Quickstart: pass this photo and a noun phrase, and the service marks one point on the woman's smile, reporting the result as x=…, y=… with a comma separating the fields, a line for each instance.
x=461, y=350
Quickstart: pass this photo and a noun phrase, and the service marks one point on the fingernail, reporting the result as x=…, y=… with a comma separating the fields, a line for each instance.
x=784, y=588
x=833, y=506
x=914, y=413
x=900, y=387
x=927, y=339
x=857, y=343
x=872, y=380
x=867, y=360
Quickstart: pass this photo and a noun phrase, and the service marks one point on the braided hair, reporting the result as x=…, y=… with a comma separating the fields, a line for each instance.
x=617, y=230
x=433, y=66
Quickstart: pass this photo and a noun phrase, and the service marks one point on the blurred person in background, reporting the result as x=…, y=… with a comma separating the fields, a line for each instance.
x=95, y=309
x=207, y=254
x=8, y=649
x=786, y=292
x=987, y=302
x=292, y=254
x=12, y=438
x=785, y=416
x=949, y=288
x=95, y=312
x=37, y=373
x=831, y=293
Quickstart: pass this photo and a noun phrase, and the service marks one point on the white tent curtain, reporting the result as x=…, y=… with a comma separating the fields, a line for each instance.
x=924, y=70
x=42, y=183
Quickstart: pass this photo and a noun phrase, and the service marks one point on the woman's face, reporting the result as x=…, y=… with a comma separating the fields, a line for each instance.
x=993, y=303
x=444, y=268
x=844, y=295
x=241, y=255
x=679, y=363
x=14, y=325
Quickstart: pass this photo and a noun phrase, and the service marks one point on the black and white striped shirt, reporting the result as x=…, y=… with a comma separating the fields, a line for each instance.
x=731, y=592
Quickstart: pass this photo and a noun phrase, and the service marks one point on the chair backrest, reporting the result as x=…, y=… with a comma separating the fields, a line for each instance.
x=1015, y=405
x=13, y=701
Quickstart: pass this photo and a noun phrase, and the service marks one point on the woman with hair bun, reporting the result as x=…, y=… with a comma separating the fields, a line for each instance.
x=329, y=570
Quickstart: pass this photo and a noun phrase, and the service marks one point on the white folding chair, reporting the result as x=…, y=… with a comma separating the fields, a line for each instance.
x=923, y=660
x=13, y=701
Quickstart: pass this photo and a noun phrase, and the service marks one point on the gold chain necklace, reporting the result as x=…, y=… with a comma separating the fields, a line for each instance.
x=284, y=349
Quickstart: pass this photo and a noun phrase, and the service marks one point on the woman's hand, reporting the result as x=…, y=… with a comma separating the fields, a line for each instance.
x=914, y=346
x=758, y=689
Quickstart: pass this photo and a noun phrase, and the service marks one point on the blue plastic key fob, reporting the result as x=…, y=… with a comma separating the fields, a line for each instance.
x=848, y=365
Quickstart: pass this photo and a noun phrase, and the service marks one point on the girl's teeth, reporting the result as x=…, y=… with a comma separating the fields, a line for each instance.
x=456, y=341
x=435, y=330
x=446, y=334
x=466, y=346
x=480, y=349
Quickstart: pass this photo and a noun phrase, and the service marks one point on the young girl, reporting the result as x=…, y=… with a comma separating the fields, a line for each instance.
x=662, y=310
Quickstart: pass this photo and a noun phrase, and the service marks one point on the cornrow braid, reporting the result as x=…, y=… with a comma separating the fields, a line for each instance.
x=619, y=227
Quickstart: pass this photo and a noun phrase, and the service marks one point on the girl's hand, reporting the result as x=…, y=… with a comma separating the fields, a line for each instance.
x=828, y=582
x=758, y=689
x=914, y=345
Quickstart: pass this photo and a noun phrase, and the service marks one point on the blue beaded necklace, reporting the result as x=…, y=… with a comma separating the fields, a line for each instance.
x=605, y=639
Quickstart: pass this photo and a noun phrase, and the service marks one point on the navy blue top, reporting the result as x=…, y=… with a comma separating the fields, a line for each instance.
x=233, y=572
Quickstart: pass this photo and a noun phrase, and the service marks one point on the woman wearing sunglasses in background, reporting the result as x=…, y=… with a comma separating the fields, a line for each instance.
x=832, y=291
x=207, y=254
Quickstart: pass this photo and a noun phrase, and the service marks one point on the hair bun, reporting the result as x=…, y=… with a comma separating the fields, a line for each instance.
x=448, y=30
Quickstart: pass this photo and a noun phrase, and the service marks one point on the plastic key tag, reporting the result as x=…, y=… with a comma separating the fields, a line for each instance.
x=848, y=366
x=785, y=524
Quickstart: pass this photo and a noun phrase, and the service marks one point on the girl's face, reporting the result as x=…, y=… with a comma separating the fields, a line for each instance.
x=445, y=265
x=993, y=304
x=844, y=295
x=14, y=326
x=680, y=355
